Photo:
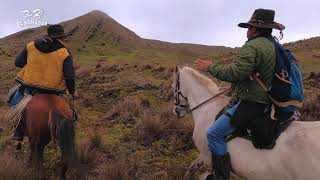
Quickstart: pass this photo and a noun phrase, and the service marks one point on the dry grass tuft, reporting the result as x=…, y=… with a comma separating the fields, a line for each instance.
x=83, y=151
x=167, y=73
x=11, y=168
x=154, y=125
x=83, y=71
x=95, y=138
x=86, y=147
x=165, y=124
x=117, y=170
x=130, y=106
x=187, y=125
x=145, y=103
x=87, y=101
x=122, y=169
x=151, y=125
x=146, y=67
x=310, y=111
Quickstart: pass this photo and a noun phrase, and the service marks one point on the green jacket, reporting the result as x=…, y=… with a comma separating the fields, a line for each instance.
x=256, y=55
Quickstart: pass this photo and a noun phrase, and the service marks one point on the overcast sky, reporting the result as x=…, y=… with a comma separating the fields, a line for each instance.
x=211, y=22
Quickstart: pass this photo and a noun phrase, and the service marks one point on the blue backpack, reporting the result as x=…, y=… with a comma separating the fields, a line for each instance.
x=286, y=91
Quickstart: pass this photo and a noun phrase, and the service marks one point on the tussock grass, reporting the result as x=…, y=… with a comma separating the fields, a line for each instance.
x=86, y=147
x=11, y=168
x=118, y=170
x=187, y=125
x=95, y=138
x=151, y=125
x=122, y=169
x=83, y=152
x=88, y=101
x=311, y=109
x=83, y=71
x=146, y=67
x=159, y=125
x=167, y=74
x=130, y=106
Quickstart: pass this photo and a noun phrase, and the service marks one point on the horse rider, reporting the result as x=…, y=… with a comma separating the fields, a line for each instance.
x=256, y=55
x=47, y=68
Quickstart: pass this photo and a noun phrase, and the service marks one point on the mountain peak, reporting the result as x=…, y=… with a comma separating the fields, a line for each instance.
x=97, y=13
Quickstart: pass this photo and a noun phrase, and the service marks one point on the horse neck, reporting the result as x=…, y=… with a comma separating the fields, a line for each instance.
x=197, y=93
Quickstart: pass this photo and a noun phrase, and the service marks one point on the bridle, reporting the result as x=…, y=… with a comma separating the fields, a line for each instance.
x=178, y=94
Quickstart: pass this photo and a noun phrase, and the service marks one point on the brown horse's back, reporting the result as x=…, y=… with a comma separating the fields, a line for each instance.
x=39, y=110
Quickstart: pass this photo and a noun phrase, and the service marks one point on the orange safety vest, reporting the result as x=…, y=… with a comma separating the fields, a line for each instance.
x=44, y=70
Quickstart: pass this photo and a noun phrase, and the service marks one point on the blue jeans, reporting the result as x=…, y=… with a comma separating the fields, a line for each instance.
x=219, y=131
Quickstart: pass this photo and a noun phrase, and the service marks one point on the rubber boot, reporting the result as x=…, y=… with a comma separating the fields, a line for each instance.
x=221, y=168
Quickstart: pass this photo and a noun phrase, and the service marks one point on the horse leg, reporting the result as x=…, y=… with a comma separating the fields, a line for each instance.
x=18, y=149
x=19, y=146
x=37, y=158
x=63, y=170
x=31, y=156
x=40, y=162
x=196, y=164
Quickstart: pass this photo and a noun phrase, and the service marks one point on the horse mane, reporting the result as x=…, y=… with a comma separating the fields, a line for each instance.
x=205, y=81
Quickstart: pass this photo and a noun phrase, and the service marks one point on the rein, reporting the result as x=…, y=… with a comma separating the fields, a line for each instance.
x=206, y=101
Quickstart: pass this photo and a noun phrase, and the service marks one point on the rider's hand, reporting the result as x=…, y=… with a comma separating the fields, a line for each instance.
x=202, y=65
x=75, y=95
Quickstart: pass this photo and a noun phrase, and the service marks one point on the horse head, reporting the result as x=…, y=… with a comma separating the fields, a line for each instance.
x=181, y=105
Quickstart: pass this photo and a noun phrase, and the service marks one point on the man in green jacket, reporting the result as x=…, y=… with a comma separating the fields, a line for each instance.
x=257, y=55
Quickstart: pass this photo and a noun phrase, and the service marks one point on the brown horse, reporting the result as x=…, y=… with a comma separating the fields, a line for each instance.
x=49, y=117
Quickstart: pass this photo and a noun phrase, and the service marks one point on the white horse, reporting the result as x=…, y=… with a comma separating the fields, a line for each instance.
x=295, y=156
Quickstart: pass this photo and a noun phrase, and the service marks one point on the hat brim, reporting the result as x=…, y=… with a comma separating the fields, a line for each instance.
x=274, y=25
x=60, y=35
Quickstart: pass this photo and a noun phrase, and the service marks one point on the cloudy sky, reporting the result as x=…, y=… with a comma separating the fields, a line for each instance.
x=211, y=22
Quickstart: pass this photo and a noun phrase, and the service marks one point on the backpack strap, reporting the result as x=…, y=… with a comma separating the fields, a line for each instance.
x=277, y=103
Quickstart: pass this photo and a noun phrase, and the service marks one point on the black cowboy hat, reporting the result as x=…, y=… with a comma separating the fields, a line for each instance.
x=56, y=31
x=263, y=18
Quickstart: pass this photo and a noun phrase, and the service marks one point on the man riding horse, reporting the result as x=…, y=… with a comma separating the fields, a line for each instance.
x=251, y=102
x=47, y=68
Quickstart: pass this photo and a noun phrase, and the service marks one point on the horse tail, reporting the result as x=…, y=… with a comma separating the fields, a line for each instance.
x=62, y=132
